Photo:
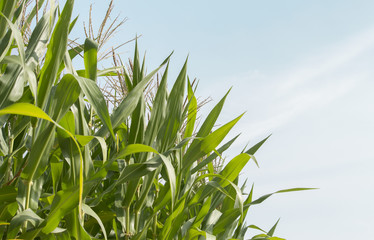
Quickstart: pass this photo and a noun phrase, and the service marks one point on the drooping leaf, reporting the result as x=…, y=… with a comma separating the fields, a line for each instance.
x=26, y=216
x=86, y=209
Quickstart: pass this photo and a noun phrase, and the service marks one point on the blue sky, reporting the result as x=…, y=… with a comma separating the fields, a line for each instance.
x=302, y=70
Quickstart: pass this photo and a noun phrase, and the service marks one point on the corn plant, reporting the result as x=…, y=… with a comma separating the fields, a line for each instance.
x=70, y=168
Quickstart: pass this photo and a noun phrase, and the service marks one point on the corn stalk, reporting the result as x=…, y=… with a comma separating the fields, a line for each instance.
x=72, y=168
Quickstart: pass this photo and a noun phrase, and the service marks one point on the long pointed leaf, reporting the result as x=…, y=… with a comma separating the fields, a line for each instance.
x=55, y=53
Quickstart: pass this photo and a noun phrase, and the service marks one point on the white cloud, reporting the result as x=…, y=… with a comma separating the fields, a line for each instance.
x=315, y=82
x=328, y=61
x=291, y=106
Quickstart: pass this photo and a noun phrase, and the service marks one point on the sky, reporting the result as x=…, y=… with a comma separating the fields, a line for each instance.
x=302, y=71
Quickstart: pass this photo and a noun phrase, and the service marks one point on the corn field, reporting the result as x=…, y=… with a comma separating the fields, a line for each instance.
x=73, y=168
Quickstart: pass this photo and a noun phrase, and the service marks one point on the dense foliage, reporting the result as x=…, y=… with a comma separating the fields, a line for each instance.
x=70, y=168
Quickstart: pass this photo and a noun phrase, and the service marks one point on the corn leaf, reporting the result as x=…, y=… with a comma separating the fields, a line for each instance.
x=90, y=59
x=55, y=53
x=96, y=99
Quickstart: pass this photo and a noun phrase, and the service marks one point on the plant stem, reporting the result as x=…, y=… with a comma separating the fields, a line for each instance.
x=90, y=124
x=136, y=221
x=27, y=204
x=155, y=226
x=127, y=233
x=9, y=163
x=33, y=133
x=155, y=220
x=10, y=150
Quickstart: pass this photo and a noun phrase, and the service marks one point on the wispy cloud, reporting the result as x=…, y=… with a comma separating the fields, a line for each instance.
x=315, y=82
x=292, y=106
x=328, y=61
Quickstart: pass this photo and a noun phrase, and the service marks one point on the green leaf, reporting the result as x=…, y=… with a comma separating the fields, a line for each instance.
x=234, y=167
x=65, y=201
x=8, y=194
x=55, y=53
x=86, y=209
x=5, y=44
x=67, y=122
x=213, y=156
x=146, y=188
x=26, y=216
x=13, y=89
x=26, y=109
x=11, y=80
x=247, y=201
x=56, y=172
x=192, y=111
x=254, y=149
x=210, y=120
x=8, y=211
x=66, y=93
x=168, y=226
x=263, y=198
x=195, y=232
x=172, y=178
x=17, y=36
x=7, y=11
x=90, y=59
x=211, y=141
x=272, y=230
x=226, y=221
x=257, y=228
x=136, y=133
x=84, y=140
x=131, y=172
x=174, y=111
x=37, y=44
x=202, y=213
x=134, y=148
x=128, y=105
x=158, y=110
x=96, y=99
x=33, y=170
x=75, y=226
x=208, y=144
